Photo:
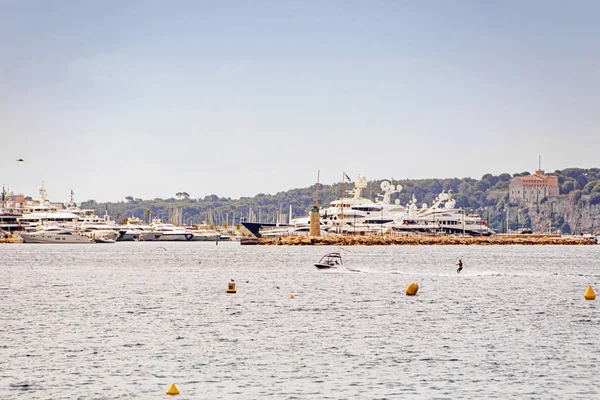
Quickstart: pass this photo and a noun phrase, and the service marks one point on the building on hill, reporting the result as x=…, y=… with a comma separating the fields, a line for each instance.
x=533, y=188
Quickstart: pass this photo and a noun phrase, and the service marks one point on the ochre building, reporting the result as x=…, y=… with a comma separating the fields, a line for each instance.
x=533, y=188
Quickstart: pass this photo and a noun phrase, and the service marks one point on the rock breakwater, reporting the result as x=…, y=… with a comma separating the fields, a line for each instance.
x=426, y=240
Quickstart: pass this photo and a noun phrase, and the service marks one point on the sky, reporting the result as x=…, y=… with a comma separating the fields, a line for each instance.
x=234, y=98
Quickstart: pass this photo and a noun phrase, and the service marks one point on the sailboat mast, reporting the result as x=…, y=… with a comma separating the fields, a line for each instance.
x=318, y=176
x=343, y=181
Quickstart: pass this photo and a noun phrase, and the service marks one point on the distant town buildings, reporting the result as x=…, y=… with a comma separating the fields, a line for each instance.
x=533, y=188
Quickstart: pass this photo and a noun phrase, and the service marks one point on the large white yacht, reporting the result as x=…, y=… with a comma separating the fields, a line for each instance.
x=442, y=216
x=170, y=232
x=359, y=215
x=54, y=234
x=135, y=229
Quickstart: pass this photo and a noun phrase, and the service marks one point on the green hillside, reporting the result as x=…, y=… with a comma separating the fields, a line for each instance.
x=488, y=197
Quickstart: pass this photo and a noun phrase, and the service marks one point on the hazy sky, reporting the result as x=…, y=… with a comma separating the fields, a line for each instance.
x=235, y=98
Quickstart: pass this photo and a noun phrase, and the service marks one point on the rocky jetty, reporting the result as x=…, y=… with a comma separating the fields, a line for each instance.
x=426, y=240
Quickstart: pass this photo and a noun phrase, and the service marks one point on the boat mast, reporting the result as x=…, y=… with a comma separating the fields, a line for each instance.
x=318, y=176
x=342, y=211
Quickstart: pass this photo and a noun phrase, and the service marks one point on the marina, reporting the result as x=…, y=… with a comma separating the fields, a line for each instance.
x=347, y=221
x=24, y=220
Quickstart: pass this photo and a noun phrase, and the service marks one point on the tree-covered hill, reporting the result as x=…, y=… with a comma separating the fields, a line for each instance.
x=487, y=197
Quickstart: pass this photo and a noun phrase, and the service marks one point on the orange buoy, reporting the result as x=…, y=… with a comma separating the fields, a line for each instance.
x=412, y=289
x=589, y=293
x=231, y=287
x=173, y=390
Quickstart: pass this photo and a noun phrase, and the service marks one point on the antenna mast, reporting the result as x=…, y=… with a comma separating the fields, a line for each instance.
x=318, y=177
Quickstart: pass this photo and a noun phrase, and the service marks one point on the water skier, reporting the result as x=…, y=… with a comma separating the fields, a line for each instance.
x=459, y=266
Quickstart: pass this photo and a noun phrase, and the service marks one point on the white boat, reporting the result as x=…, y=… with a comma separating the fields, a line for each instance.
x=99, y=228
x=442, y=217
x=54, y=234
x=171, y=232
x=333, y=261
x=358, y=215
x=204, y=234
x=104, y=240
x=136, y=230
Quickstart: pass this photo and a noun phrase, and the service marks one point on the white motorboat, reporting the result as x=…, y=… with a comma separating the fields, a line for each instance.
x=205, y=234
x=171, y=232
x=54, y=234
x=333, y=261
x=136, y=230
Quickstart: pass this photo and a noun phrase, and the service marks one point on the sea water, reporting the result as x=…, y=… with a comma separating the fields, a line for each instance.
x=126, y=320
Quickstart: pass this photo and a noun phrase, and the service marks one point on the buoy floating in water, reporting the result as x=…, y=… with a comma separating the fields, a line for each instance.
x=292, y=296
x=412, y=289
x=173, y=390
x=231, y=287
x=589, y=293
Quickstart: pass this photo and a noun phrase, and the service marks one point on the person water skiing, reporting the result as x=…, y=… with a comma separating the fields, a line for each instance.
x=459, y=266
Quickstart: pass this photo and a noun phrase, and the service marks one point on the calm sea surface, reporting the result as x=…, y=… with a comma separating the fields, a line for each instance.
x=126, y=320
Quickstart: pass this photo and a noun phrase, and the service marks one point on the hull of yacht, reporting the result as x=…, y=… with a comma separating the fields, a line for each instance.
x=129, y=236
x=473, y=230
x=255, y=227
x=103, y=234
x=150, y=236
x=138, y=235
x=175, y=237
x=205, y=237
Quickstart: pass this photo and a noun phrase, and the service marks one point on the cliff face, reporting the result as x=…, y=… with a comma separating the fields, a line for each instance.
x=562, y=214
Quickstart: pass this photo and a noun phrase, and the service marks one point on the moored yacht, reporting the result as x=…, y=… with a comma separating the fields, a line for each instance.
x=204, y=233
x=135, y=229
x=358, y=215
x=54, y=234
x=170, y=232
x=442, y=216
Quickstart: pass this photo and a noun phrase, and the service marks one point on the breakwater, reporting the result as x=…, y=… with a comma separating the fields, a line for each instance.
x=424, y=240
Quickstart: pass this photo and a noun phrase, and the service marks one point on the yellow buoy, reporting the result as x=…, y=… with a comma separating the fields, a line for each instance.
x=292, y=296
x=231, y=287
x=412, y=289
x=173, y=390
x=589, y=293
